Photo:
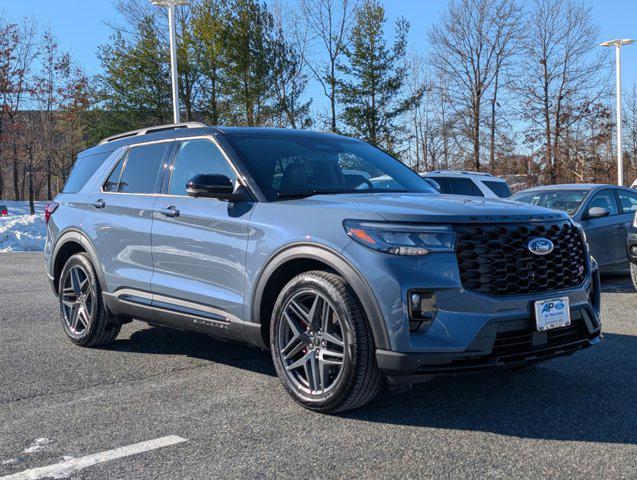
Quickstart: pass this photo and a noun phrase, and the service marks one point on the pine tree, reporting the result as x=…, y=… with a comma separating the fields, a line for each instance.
x=209, y=31
x=374, y=76
x=248, y=58
x=135, y=85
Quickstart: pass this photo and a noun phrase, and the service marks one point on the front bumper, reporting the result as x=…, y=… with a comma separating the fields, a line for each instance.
x=504, y=343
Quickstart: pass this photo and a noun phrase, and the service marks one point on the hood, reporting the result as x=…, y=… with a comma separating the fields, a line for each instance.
x=431, y=207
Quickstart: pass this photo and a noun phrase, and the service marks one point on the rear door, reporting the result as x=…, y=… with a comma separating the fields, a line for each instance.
x=627, y=200
x=119, y=217
x=199, y=244
x=604, y=234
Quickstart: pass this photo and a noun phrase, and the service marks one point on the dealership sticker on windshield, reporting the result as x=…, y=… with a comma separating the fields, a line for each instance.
x=552, y=313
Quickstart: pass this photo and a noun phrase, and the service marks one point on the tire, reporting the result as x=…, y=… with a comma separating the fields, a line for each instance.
x=633, y=274
x=348, y=376
x=84, y=317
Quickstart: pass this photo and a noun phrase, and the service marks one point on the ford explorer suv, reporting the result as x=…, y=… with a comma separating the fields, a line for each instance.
x=279, y=239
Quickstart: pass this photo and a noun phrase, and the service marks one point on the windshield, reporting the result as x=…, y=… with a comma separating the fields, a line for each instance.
x=300, y=166
x=567, y=200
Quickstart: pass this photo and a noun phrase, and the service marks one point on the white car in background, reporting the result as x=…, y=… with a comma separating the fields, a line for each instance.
x=474, y=184
x=634, y=185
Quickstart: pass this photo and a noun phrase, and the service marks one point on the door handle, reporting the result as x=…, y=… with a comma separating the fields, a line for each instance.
x=99, y=203
x=169, y=211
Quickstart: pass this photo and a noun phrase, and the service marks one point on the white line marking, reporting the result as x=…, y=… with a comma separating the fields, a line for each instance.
x=66, y=468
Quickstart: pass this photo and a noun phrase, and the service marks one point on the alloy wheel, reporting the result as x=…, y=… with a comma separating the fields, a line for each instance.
x=78, y=300
x=311, y=342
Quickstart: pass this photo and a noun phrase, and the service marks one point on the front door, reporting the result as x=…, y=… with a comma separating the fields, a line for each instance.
x=603, y=233
x=199, y=245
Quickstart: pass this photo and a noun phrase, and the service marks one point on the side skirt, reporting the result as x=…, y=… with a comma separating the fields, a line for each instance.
x=181, y=314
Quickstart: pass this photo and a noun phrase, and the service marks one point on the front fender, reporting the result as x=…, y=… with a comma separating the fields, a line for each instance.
x=339, y=264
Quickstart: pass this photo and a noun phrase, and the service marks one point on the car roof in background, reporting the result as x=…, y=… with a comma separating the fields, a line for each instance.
x=569, y=186
x=463, y=173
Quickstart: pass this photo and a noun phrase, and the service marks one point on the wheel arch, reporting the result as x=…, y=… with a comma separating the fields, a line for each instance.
x=73, y=241
x=294, y=259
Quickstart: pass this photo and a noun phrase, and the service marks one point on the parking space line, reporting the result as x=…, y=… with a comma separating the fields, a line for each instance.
x=68, y=467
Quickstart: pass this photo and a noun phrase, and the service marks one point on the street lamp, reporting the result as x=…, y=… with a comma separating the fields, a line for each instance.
x=618, y=73
x=171, y=4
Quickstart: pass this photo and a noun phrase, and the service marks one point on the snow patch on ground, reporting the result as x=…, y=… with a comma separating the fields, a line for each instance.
x=21, y=232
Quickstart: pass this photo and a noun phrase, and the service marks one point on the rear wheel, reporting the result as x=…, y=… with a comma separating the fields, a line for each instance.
x=84, y=317
x=322, y=347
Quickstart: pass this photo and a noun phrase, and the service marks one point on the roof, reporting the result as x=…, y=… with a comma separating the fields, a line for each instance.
x=186, y=129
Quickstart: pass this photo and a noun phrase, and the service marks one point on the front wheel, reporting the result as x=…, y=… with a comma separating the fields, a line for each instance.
x=321, y=344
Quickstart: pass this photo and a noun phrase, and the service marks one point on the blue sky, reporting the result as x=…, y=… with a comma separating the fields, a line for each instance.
x=80, y=25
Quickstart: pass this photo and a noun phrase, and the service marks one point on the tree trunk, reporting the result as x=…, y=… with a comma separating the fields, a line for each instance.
x=333, y=96
x=494, y=103
x=49, y=189
x=16, y=177
x=31, y=199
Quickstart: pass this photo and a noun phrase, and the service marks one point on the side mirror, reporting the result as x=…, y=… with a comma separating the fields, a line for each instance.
x=213, y=186
x=597, y=212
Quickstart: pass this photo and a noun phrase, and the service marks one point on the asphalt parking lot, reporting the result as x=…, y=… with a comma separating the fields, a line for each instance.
x=160, y=403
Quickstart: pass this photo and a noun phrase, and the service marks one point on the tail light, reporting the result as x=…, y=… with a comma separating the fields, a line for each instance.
x=48, y=211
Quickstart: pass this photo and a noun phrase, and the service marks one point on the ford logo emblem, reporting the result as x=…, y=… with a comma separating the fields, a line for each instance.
x=541, y=246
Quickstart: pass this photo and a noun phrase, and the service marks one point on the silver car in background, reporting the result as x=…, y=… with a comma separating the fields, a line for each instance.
x=604, y=211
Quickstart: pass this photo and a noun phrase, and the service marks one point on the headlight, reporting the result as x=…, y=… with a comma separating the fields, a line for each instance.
x=635, y=220
x=402, y=238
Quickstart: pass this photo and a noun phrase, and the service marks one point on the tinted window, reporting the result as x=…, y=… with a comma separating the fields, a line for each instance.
x=195, y=157
x=628, y=201
x=567, y=200
x=604, y=199
x=141, y=168
x=309, y=165
x=110, y=185
x=501, y=189
x=458, y=186
x=83, y=170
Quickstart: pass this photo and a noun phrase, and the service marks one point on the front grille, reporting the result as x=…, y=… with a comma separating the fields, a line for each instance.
x=494, y=259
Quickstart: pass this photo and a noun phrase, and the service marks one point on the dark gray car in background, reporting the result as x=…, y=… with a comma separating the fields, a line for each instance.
x=279, y=239
x=604, y=211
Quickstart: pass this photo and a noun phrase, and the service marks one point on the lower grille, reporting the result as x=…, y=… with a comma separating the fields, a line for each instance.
x=494, y=259
x=522, y=343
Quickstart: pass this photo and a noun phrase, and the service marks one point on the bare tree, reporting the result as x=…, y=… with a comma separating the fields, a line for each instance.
x=471, y=46
x=17, y=53
x=559, y=71
x=329, y=22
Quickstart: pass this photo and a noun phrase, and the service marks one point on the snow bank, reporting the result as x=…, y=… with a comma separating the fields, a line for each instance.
x=21, y=232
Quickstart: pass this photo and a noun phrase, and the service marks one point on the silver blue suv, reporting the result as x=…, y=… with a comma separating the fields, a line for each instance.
x=342, y=261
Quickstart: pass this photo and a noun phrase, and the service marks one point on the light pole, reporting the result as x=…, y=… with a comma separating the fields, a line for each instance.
x=618, y=73
x=171, y=4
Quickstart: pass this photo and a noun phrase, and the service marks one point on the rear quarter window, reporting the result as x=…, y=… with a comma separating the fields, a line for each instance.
x=458, y=186
x=501, y=189
x=83, y=170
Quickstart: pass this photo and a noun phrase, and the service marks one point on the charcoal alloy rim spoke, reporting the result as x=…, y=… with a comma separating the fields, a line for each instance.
x=77, y=300
x=310, y=340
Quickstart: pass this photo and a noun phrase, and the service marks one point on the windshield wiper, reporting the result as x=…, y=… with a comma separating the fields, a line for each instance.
x=307, y=193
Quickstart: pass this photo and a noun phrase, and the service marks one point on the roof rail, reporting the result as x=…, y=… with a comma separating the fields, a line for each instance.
x=464, y=172
x=158, y=128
